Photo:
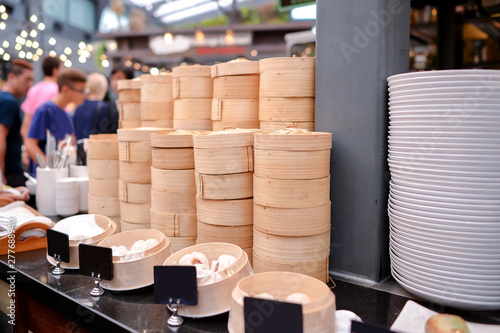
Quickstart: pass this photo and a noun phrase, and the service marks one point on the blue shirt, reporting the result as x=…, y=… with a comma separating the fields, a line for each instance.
x=11, y=117
x=90, y=118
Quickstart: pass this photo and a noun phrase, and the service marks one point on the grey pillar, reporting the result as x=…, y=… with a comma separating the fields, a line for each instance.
x=359, y=44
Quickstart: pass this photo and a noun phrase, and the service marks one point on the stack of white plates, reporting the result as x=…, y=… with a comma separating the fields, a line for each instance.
x=444, y=203
x=67, y=196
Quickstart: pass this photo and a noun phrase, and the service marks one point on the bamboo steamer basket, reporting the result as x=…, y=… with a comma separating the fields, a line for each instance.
x=225, y=212
x=173, y=181
x=134, y=84
x=189, y=71
x=214, y=298
x=278, y=125
x=107, y=206
x=156, y=110
x=224, y=187
x=129, y=124
x=175, y=139
x=103, y=147
x=134, y=192
x=173, y=158
x=282, y=164
x=238, y=113
x=179, y=243
x=218, y=161
x=235, y=67
x=240, y=235
x=129, y=91
x=287, y=109
x=293, y=139
x=227, y=138
x=135, y=172
x=178, y=203
x=192, y=87
x=193, y=124
x=317, y=269
x=318, y=314
x=103, y=169
x=116, y=219
x=249, y=252
x=103, y=187
x=129, y=111
x=175, y=225
x=238, y=86
x=166, y=123
x=157, y=88
x=271, y=65
x=108, y=226
x=134, y=151
x=220, y=125
x=135, y=212
x=191, y=109
x=287, y=77
x=290, y=249
x=291, y=193
x=127, y=226
x=139, y=134
x=136, y=273
x=290, y=221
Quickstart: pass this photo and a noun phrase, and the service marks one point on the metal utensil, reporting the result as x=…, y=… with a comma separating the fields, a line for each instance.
x=40, y=160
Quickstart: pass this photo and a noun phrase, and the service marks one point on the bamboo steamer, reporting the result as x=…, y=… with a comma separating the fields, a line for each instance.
x=193, y=124
x=173, y=158
x=103, y=187
x=317, y=269
x=287, y=77
x=235, y=67
x=278, y=125
x=224, y=187
x=157, y=111
x=108, y=226
x=175, y=225
x=214, y=298
x=220, y=125
x=127, y=226
x=293, y=139
x=223, y=161
x=195, y=70
x=129, y=124
x=131, y=151
x=133, y=192
x=291, y=193
x=129, y=91
x=318, y=314
x=134, y=84
x=135, y=212
x=166, y=123
x=103, y=147
x=282, y=164
x=135, y=172
x=107, y=206
x=136, y=273
x=129, y=111
x=225, y=212
x=103, y=169
x=271, y=65
x=190, y=108
x=179, y=243
x=238, y=86
x=249, y=252
x=116, y=219
x=173, y=181
x=290, y=221
x=227, y=138
x=240, y=235
x=178, y=203
x=238, y=113
x=290, y=249
x=175, y=139
x=157, y=88
x=192, y=87
x=139, y=134
x=287, y=109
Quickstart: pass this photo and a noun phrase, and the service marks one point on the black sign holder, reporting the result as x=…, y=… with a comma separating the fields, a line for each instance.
x=268, y=316
x=97, y=262
x=58, y=247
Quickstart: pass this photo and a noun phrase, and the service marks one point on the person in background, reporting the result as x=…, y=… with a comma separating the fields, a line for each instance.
x=120, y=72
x=19, y=80
x=41, y=92
x=51, y=115
x=94, y=116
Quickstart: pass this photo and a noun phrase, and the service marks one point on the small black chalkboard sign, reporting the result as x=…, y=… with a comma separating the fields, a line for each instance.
x=58, y=244
x=97, y=260
x=267, y=316
x=175, y=282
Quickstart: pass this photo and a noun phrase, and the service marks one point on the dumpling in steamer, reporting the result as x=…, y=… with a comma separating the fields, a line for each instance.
x=224, y=261
x=194, y=258
x=298, y=298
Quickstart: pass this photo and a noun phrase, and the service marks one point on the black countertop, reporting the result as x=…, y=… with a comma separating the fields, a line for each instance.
x=135, y=311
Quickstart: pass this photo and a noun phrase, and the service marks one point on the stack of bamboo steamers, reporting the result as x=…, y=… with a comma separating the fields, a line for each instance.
x=157, y=103
x=129, y=103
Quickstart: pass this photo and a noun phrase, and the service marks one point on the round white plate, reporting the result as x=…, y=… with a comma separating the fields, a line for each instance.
x=473, y=135
x=440, y=87
x=409, y=171
x=430, y=75
x=451, y=165
x=466, y=102
x=446, y=154
x=430, y=144
x=462, y=190
x=483, y=97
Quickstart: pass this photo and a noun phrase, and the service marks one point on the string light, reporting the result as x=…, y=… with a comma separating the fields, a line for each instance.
x=2, y=9
x=29, y=55
x=82, y=59
x=41, y=26
x=22, y=54
x=4, y=16
x=168, y=37
x=18, y=47
x=5, y=44
x=33, y=33
x=33, y=18
x=199, y=35
x=105, y=63
x=6, y=57
x=89, y=47
x=137, y=66
x=128, y=63
x=23, y=34
x=63, y=57
x=36, y=57
x=39, y=52
x=82, y=45
x=112, y=46
x=52, y=41
x=68, y=63
x=3, y=25
x=52, y=53
x=67, y=50
x=29, y=43
x=103, y=57
x=2, y=51
x=254, y=53
x=155, y=71
x=35, y=44
x=145, y=68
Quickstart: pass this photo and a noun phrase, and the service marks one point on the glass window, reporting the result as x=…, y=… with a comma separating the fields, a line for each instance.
x=55, y=9
x=82, y=14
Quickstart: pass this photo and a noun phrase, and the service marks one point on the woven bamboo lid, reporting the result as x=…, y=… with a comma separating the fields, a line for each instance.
x=271, y=65
x=139, y=133
x=238, y=66
x=293, y=139
x=195, y=70
x=175, y=139
x=129, y=84
x=228, y=137
x=160, y=78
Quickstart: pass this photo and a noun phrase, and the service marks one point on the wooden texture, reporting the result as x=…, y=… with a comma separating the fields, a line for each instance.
x=195, y=70
x=139, y=134
x=219, y=161
x=129, y=96
x=224, y=187
x=103, y=169
x=277, y=125
x=173, y=158
x=287, y=109
x=179, y=243
x=192, y=109
x=129, y=124
x=135, y=212
x=192, y=87
x=287, y=77
x=157, y=110
x=103, y=187
x=134, y=192
x=129, y=84
x=134, y=151
x=157, y=88
x=238, y=113
x=224, y=139
x=127, y=226
x=194, y=124
x=165, y=123
x=175, y=139
x=107, y=206
x=238, y=86
x=240, y=235
x=225, y=212
x=173, y=181
x=296, y=140
x=235, y=67
x=178, y=203
x=135, y=172
x=129, y=111
x=174, y=225
x=103, y=147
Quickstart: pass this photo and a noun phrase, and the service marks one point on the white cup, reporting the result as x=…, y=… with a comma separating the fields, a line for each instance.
x=46, y=189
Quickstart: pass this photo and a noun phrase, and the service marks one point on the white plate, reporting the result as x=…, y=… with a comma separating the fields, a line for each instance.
x=423, y=153
x=461, y=190
x=452, y=107
x=463, y=133
x=438, y=87
x=434, y=144
x=451, y=165
x=430, y=75
x=407, y=171
x=483, y=97
x=466, y=102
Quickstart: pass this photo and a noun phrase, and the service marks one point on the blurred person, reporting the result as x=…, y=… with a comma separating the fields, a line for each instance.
x=10, y=194
x=95, y=116
x=19, y=80
x=51, y=115
x=120, y=72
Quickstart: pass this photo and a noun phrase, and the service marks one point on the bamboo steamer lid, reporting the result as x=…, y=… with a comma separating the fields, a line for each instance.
x=130, y=123
x=272, y=65
x=103, y=147
x=195, y=70
x=116, y=219
x=317, y=269
x=128, y=226
x=103, y=169
x=293, y=139
x=107, y=206
x=291, y=193
x=129, y=111
x=287, y=84
x=134, y=151
x=175, y=139
x=223, y=161
x=178, y=203
x=240, y=235
x=174, y=225
x=135, y=212
x=132, y=84
x=139, y=134
x=282, y=164
x=318, y=314
x=103, y=187
x=173, y=181
x=287, y=109
x=235, y=67
x=224, y=187
x=241, y=86
x=290, y=221
x=225, y=212
x=179, y=243
x=191, y=109
x=135, y=172
x=157, y=88
x=279, y=125
x=135, y=193
x=194, y=124
x=156, y=110
x=173, y=158
x=165, y=123
x=192, y=87
x=227, y=138
x=231, y=109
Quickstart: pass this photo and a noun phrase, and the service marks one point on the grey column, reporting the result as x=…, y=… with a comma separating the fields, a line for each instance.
x=359, y=44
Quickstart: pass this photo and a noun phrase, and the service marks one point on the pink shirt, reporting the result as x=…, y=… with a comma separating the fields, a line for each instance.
x=38, y=94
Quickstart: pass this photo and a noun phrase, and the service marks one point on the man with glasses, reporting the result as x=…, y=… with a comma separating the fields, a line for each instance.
x=52, y=117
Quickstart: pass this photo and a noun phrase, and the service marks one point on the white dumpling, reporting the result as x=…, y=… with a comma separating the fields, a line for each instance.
x=139, y=246
x=211, y=278
x=298, y=298
x=119, y=251
x=194, y=258
x=150, y=243
x=224, y=261
x=202, y=270
x=265, y=296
